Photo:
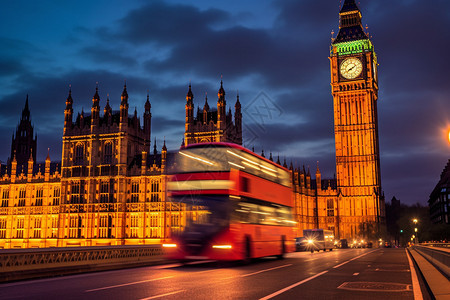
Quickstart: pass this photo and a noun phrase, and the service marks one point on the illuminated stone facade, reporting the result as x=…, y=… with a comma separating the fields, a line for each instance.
x=354, y=84
x=211, y=125
x=108, y=190
x=353, y=203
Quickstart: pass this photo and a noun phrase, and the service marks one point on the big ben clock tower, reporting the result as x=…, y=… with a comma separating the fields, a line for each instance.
x=354, y=85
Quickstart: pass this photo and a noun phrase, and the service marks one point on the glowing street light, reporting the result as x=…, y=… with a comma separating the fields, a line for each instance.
x=415, y=221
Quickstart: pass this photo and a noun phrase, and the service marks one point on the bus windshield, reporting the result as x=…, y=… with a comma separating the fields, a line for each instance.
x=215, y=158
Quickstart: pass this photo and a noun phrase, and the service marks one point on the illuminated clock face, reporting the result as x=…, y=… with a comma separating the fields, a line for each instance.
x=351, y=68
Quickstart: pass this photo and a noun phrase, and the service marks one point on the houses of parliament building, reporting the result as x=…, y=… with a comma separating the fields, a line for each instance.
x=109, y=188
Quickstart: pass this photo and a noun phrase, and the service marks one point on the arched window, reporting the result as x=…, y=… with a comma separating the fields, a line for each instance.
x=79, y=155
x=107, y=153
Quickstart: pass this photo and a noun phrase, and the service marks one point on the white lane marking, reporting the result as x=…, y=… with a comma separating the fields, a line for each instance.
x=125, y=284
x=355, y=274
x=261, y=271
x=353, y=259
x=250, y=274
x=162, y=295
x=415, y=281
x=292, y=286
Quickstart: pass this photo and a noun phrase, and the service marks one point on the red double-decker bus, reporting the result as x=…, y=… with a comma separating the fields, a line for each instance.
x=238, y=204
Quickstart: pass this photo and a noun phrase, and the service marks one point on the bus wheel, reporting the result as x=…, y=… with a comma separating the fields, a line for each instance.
x=283, y=249
x=248, y=251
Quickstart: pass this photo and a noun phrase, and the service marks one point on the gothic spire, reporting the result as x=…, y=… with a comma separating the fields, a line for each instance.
x=124, y=96
x=206, y=107
x=69, y=100
x=221, y=92
x=148, y=106
x=26, y=111
x=349, y=5
x=155, y=151
x=237, y=106
x=189, y=95
x=107, y=106
x=96, y=98
x=350, y=27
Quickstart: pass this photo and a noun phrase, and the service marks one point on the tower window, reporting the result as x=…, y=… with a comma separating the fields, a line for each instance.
x=39, y=196
x=56, y=196
x=77, y=193
x=330, y=207
x=22, y=194
x=134, y=192
x=107, y=154
x=5, y=198
x=79, y=155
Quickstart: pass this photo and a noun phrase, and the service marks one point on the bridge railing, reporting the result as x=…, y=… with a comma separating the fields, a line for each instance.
x=16, y=264
x=437, y=245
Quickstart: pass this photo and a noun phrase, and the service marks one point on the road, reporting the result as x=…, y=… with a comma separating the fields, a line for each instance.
x=340, y=274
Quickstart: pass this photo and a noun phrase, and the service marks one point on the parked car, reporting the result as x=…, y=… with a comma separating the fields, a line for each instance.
x=369, y=245
x=343, y=244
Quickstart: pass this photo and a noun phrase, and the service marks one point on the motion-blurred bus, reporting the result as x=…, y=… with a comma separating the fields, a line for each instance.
x=238, y=204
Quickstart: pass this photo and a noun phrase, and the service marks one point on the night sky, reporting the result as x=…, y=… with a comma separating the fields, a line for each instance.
x=274, y=53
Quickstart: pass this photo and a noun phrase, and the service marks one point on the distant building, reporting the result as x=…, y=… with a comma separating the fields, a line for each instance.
x=439, y=201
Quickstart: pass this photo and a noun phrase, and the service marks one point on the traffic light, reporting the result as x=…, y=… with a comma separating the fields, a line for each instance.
x=401, y=230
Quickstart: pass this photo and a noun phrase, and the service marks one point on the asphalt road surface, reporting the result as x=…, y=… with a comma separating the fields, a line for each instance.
x=339, y=274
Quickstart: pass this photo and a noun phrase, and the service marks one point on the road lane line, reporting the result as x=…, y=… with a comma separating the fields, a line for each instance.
x=254, y=273
x=415, y=281
x=250, y=274
x=162, y=295
x=125, y=284
x=354, y=258
x=292, y=286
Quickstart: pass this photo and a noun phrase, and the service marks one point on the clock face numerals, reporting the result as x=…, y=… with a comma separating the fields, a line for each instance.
x=351, y=68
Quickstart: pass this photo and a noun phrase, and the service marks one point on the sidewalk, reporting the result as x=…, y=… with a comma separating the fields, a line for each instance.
x=438, y=283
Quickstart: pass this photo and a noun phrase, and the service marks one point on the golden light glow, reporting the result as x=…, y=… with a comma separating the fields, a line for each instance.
x=169, y=245
x=236, y=165
x=222, y=246
x=197, y=158
x=191, y=185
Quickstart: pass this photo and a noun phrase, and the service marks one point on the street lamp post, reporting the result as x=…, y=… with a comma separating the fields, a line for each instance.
x=415, y=221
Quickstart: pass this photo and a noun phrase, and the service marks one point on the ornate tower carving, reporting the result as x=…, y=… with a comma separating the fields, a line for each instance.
x=211, y=124
x=354, y=85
